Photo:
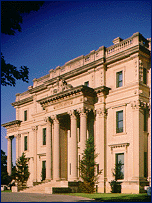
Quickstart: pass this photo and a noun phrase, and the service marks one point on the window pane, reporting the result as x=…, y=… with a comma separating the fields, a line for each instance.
x=120, y=115
x=121, y=158
x=119, y=79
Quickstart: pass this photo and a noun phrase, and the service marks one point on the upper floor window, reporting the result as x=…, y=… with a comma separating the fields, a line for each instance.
x=144, y=76
x=86, y=83
x=25, y=115
x=119, y=121
x=145, y=120
x=119, y=166
x=25, y=143
x=119, y=80
x=44, y=136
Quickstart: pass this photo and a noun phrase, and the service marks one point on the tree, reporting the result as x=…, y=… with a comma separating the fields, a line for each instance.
x=22, y=173
x=9, y=73
x=11, y=18
x=118, y=175
x=5, y=178
x=88, y=166
x=11, y=11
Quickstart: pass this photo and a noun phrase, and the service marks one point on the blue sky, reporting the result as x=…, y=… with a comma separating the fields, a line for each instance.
x=61, y=31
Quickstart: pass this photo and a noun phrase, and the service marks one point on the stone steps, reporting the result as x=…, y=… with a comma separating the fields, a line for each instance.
x=46, y=187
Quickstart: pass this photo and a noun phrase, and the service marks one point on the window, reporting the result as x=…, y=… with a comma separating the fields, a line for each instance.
x=119, y=121
x=97, y=168
x=145, y=165
x=25, y=115
x=43, y=170
x=119, y=170
x=44, y=136
x=144, y=76
x=86, y=83
x=145, y=120
x=25, y=143
x=119, y=79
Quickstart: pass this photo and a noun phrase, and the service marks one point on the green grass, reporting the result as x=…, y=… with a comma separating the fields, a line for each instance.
x=114, y=197
x=7, y=191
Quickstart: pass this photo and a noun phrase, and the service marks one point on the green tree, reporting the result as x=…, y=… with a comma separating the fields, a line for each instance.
x=11, y=19
x=22, y=173
x=5, y=178
x=118, y=175
x=88, y=167
x=11, y=14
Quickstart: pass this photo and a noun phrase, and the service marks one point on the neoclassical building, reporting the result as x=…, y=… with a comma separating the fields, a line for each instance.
x=106, y=94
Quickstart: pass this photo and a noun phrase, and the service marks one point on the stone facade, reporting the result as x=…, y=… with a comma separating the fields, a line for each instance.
x=107, y=94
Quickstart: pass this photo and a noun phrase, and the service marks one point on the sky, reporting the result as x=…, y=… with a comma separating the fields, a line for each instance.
x=61, y=31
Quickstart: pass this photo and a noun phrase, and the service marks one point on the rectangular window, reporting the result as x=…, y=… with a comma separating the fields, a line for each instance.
x=119, y=170
x=25, y=143
x=86, y=83
x=25, y=115
x=145, y=120
x=43, y=170
x=145, y=165
x=119, y=121
x=119, y=81
x=144, y=76
x=44, y=136
x=97, y=168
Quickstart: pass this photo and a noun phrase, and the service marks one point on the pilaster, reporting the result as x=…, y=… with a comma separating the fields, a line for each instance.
x=35, y=128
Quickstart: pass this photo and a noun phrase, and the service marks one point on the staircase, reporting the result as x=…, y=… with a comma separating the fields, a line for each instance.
x=46, y=187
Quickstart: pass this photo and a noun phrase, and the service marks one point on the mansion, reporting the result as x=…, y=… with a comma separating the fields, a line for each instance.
x=105, y=94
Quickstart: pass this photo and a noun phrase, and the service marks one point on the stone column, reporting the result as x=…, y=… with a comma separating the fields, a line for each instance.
x=100, y=144
x=9, y=155
x=83, y=129
x=35, y=128
x=48, y=149
x=17, y=145
x=72, y=149
x=56, y=150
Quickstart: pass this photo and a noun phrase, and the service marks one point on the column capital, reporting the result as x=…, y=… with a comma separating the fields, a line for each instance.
x=47, y=119
x=17, y=135
x=35, y=128
x=55, y=118
x=83, y=111
x=101, y=112
x=72, y=114
x=9, y=137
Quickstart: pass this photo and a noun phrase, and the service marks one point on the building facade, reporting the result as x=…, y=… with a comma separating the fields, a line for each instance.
x=106, y=94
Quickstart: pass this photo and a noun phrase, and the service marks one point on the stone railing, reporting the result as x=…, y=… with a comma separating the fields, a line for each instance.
x=123, y=45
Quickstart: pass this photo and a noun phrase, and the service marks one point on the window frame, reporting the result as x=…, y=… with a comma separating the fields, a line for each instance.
x=123, y=164
x=118, y=121
x=145, y=76
x=117, y=79
x=25, y=115
x=44, y=136
x=25, y=143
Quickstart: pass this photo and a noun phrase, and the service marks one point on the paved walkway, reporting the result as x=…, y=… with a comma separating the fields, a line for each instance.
x=35, y=197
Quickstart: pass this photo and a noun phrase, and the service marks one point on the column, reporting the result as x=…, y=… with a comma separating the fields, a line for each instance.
x=56, y=157
x=72, y=149
x=83, y=129
x=48, y=149
x=17, y=146
x=9, y=155
x=35, y=128
x=101, y=145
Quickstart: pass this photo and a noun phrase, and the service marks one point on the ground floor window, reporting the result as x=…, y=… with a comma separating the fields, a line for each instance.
x=119, y=166
x=43, y=170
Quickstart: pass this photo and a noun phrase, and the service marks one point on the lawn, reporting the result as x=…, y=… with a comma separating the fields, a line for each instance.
x=115, y=197
x=7, y=191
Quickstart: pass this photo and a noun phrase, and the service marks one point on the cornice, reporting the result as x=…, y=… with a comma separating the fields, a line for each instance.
x=15, y=122
x=84, y=89
x=38, y=88
x=23, y=101
x=103, y=89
